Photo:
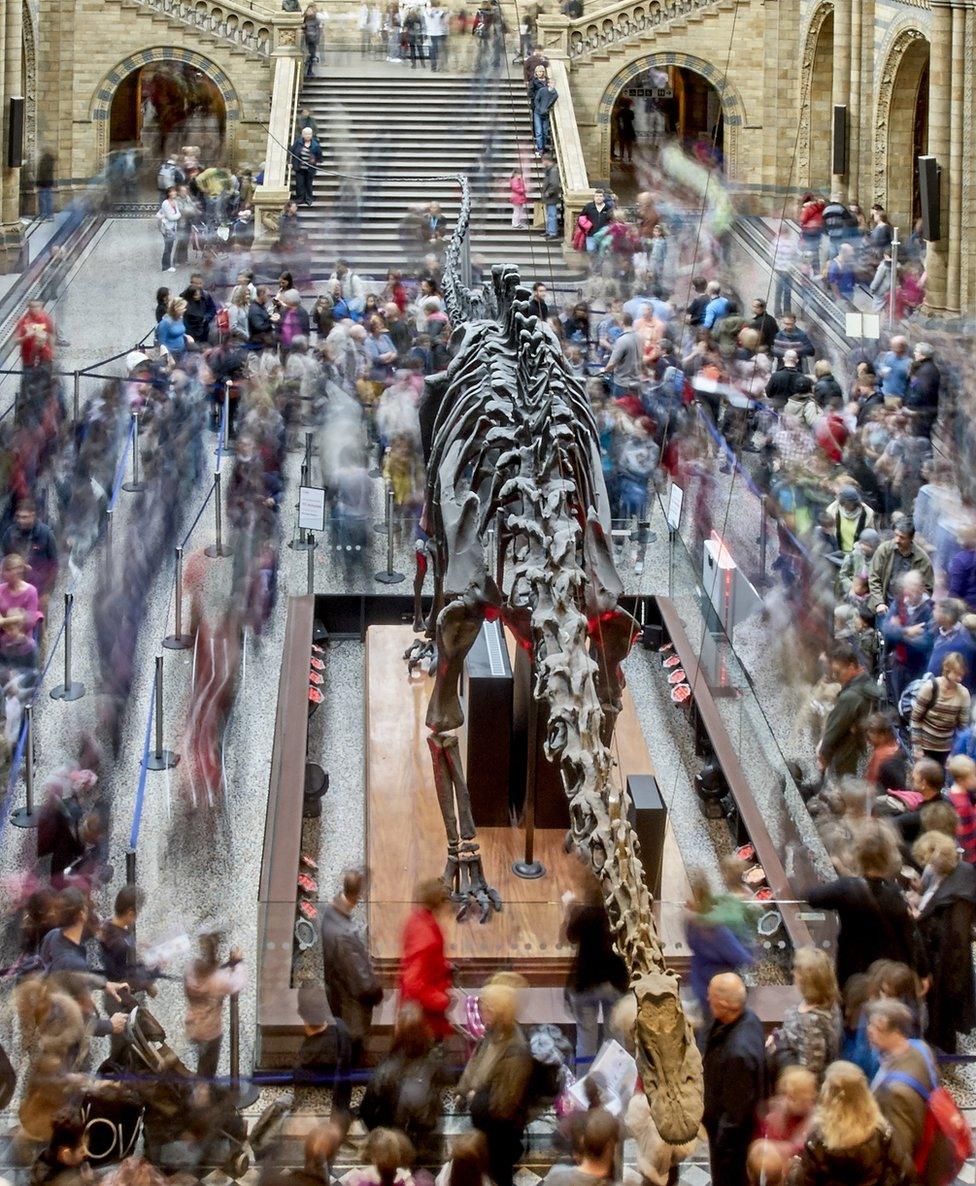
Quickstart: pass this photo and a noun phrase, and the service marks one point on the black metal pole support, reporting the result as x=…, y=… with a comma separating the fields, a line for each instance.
x=530, y=869
x=178, y=641
x=70, y=689
x=764, y=581
x=389, y=576
x=247, y=1094
x=26, y=816
x=130, y=866
x=160, y=758
x=135, y=485
x=217, y=549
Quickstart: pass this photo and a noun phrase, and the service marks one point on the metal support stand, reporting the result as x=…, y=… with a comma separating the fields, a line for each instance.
x=247, y=1094
x=893, y=286
x=76, y=397
x=108, y=532
x=130, y=866
x=530, y=869
x=217, y=549
x=160, y=759
x=763, y=582
x=26, y=816
x=135, y=486
x=228, y=446
x=310, y=554
x=389, y=576
x=178, y=641
x=69, y=690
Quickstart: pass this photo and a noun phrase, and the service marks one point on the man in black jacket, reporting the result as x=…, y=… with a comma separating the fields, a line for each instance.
x=201, y=309
x=538, y=305
x=260, y=327
x=924, y=381
x=786, y=382
x=306, y=153
x=733, y=1063
x=763, y=323
x=842, y=745
x=552, y=195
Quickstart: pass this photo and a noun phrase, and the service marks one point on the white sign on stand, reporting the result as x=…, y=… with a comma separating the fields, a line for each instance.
x=675, y=499
x=863, y=325
x=311, y=508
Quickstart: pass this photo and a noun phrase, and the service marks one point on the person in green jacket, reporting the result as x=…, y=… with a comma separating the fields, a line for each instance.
x=842, y=746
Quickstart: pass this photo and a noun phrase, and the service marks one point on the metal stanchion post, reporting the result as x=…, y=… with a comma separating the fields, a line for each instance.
x=389, y=576
x=178, y=641
x=310, y=552
x=217, y=549
x=108, y=532
x=246, y=1093
x=763, y=582
x=135, y=486
x=893, y=287
x=69, y=690
x=26, y=816
x=530, y=869
x=672, y=534
x=228, y=444
x=130, y=866
x=76, y=397
x=160, y=759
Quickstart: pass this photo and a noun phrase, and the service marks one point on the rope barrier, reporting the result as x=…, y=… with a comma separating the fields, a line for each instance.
x=205, y=504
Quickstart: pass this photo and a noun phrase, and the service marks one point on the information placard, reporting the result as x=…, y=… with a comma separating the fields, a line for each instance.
x=676, y=497
x=311, y=508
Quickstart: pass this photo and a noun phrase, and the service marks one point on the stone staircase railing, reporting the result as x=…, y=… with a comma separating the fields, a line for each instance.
x=237, y=23
x=614, y=25
x=569, y=150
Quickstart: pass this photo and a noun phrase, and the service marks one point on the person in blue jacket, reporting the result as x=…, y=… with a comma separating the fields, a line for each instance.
x=171, y=330
x=951, y=635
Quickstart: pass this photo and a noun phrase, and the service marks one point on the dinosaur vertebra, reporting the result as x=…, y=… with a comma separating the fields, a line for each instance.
x=510, y=438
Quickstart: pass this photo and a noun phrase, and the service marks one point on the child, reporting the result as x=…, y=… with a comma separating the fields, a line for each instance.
x=790, y=1114
x=657, y=251
x=516, y=196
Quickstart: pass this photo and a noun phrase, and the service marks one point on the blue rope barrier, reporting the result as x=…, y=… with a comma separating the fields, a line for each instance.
x=120, y=468
x=141, y=789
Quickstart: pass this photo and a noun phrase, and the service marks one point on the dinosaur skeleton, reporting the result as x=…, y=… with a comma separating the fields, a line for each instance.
x=509, y=436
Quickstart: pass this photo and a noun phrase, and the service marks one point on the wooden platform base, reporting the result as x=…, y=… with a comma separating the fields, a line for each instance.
x=405, y=840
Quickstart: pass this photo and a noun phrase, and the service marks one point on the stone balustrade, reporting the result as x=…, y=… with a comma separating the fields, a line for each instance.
x=613, y=25
x=237, y=23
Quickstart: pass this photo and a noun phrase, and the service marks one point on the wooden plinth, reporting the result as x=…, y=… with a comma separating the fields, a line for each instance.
x=405, y=840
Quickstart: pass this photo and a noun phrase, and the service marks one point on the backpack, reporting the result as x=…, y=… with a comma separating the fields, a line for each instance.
x=946, y=1140
x=222, y=321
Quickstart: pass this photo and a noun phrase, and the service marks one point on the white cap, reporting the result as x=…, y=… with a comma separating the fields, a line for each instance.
x=135, y=358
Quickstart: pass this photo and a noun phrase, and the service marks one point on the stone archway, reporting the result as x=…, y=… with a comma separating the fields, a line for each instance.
x=813, y=165
x=901, y=130
x=101, y=105
x=733, y=109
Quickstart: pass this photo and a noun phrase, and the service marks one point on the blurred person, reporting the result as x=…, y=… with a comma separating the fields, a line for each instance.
x=851, y=515
x=875, y=921
x=306, y=153
x=19, y=613
x=887, y=766
x=841, y=747
x=311, y=33
x=404, y=1091
x=200, y=311
x=946, y=913
x=425, y=976
x=925, y=784
x=941, y=708
x=961, y=575
x=890, y=1026
x=787, y=1119
x=810, y=1034
x=950, y=636
x=468, y=1165
x=495, y=1082
x=64, y=1161
x=596, y=1153
x=168, y=215
x=907, y=627
x=924, y=389
x=826, y=390
x=962, y=795
x=35, y=336
x=851, y=1141
x=717, y=939
x=598, y=975
x=733, y=1063
x=324, y=1057
x=350, y=980
x=388, y=1155
x=206, y=985
x=345, y=286
x=34, y=542
x=765, y=1165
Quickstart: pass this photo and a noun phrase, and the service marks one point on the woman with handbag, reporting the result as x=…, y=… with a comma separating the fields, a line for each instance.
x=810, y=1034
x=169, y=215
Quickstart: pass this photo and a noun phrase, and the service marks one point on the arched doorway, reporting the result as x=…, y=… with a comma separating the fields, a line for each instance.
x=819, y=99
x=671, y=98
x=161, y=106
x=906, y=91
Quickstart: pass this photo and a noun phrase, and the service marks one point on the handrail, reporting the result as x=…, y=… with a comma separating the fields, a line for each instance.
x=569, y=150
x=275, y=189
x=597, y=31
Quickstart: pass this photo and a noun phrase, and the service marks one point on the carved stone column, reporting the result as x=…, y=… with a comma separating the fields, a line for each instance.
x=956, y=134
x=841, y=93
x=937, y=300
x=11, y=84
x=858, y=31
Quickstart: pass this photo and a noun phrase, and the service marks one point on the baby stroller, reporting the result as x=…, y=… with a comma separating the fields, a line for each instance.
x=156, y=1096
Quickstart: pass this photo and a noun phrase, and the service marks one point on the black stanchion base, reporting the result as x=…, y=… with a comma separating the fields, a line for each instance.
x=380, y=528
x=22, y=818
x=216, y=553
x=74, y=691
x=247, y=1095
x=389, y=578
x=529, y=870
x=177, y=642
x=164, y=760
x=134, y=487
x=300, y=545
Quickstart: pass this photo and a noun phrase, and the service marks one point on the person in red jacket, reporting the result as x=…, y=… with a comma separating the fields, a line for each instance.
x=35, y=336
x=425, y=975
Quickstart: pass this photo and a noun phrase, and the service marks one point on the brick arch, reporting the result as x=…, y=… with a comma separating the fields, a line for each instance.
x=905, y=57
x=816, y=74
x=101, y=103
x=733, y=108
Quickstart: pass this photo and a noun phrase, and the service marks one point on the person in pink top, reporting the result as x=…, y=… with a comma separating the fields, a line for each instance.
x=19, y=613
x=517, y=198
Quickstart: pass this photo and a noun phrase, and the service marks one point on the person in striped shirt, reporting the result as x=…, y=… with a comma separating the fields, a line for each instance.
x=941, y=708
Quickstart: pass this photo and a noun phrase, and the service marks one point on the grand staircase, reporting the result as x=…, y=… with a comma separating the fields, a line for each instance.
x=397, y=138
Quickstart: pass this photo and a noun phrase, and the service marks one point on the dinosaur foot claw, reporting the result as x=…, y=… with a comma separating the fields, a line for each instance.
x=420, y=650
